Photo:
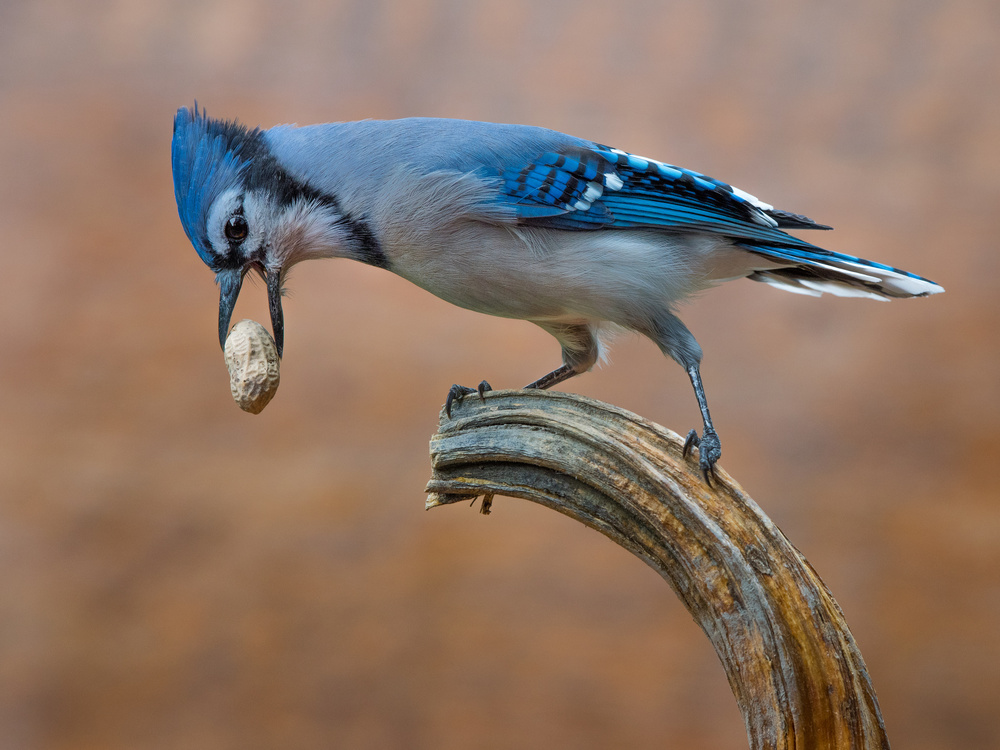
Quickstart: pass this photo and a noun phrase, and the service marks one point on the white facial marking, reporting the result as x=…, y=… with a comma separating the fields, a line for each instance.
x=218, y=215
x=302, y=231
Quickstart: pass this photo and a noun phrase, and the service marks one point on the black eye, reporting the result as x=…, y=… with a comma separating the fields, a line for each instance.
x=237, y=229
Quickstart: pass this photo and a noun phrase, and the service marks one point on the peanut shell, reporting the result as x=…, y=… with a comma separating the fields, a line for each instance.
x=254, y=365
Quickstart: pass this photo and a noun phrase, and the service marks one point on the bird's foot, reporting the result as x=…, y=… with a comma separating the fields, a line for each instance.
x=709, y=451
x=459, y=392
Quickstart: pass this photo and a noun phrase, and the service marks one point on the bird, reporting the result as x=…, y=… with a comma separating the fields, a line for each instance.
x=515, y=221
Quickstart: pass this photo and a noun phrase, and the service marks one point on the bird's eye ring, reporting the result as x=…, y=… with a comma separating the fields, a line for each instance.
x=236, y=228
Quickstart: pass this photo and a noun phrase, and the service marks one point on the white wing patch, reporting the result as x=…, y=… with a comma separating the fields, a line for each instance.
x=752, y=199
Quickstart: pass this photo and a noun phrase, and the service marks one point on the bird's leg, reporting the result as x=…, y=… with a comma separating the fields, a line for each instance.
x=677, y=342
x=708, y=445
x=458, y=392
x=579, y=350
x=553, y=378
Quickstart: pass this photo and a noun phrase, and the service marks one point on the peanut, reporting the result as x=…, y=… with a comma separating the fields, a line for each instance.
x=252, y=359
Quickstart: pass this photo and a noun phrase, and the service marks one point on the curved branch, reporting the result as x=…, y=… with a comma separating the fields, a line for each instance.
x=792, y=663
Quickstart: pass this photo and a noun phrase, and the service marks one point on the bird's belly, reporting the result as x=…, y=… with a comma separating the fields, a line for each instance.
x=556, y=276
x=504, y=295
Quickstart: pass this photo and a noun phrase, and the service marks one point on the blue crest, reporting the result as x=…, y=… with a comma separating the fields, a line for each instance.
x=207, y=161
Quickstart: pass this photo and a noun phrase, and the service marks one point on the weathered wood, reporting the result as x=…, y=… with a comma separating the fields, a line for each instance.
x=792, y=663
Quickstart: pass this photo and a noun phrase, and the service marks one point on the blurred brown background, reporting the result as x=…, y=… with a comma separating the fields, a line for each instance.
x=176, y=573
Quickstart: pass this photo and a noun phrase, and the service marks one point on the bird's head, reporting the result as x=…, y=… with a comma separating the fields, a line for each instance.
x=243, y=212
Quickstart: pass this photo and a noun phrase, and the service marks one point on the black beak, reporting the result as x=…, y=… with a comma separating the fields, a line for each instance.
x=230, y=282
x=229, y=289
x=277, y=316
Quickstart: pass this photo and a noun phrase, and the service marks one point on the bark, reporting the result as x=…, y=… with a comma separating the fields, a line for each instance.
x=791, y=660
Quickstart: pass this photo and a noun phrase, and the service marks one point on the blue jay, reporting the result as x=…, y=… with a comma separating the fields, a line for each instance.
x=508, y=220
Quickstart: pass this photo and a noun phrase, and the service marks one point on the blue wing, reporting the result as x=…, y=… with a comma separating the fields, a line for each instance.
x=597, y=187
x=600, y=187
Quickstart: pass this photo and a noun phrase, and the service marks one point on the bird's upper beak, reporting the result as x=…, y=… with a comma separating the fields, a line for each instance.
x=230, y=282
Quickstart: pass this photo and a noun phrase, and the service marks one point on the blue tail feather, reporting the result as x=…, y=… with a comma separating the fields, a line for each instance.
x=813, y=270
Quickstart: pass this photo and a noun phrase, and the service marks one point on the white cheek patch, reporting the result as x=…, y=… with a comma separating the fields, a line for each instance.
x=261, y=217
x=218, y=215
x=303, y=231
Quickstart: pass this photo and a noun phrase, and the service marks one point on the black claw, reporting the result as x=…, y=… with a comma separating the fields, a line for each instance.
x=691, y=441
x=456, y=393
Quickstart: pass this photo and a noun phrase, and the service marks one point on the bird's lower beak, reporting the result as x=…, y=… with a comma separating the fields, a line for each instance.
x=274, y=303
x=230, y=283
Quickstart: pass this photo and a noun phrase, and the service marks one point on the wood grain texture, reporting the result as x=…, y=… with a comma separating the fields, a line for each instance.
x=791, y=660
